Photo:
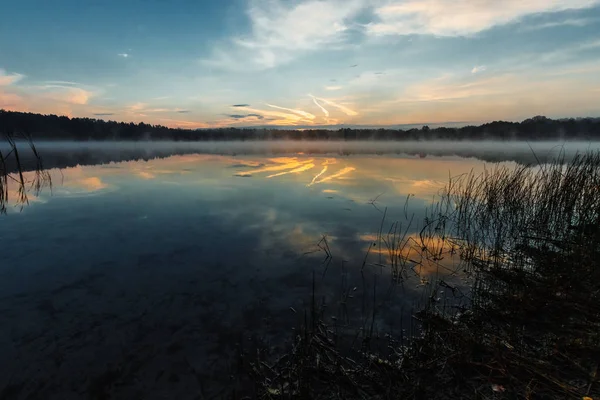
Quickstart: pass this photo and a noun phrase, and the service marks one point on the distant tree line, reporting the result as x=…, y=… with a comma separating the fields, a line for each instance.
x=52, y=127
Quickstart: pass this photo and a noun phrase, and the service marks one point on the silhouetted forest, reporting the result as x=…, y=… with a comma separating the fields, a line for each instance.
x=52, y=127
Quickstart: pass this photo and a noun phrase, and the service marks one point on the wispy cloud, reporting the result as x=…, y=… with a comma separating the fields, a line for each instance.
x=183, y=124
x=144, y=108
x=321, y=107
x=340, y=107
x=65, y=93
x=241, y=105
x=62, y=83
x=103, y=114
x=8, y=79
x=299, y=112
x=240, y=116
x=572, y=22
x=478, y=68
x=460, y=17
x=276, y=117
x=332, y=88
x=282, y=30
x=124, y=55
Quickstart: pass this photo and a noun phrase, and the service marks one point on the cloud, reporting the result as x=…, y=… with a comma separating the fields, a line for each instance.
x=239, y=116
x=11, y=102
x=460, y=17
x=142, y=108
x=124, y=55
x=64, y=93
x=137, y=107
x=332, y=88
x=340, y=107
x=8, y=79
x=103, y=114
x=574, y=22
x=481, y=98
x=299, y=112
x=478, y=68
x=241, y=105
x=278, y=118
x=62, y=83
x=184, y=124
x=282, y=30
x=321, y=107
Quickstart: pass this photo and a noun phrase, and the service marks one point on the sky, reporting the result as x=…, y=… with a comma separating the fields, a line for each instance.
x=200, y=64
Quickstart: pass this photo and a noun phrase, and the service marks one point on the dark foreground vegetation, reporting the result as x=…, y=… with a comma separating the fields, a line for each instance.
x=12, y=168
x=527, y=328
x=52, y=127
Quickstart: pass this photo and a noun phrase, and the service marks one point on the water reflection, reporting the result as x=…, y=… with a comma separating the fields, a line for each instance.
x=126, y=259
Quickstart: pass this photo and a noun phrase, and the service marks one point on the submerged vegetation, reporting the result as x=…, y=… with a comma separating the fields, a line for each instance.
x=528, y=327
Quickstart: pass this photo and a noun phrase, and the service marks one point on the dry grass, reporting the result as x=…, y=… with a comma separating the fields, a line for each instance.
x=527, y=328
x=11, y=172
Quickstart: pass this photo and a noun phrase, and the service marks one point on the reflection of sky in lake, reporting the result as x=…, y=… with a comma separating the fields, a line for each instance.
x=193, y=250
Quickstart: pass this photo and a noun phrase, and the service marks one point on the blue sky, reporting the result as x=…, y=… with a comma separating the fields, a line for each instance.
x=200, y=64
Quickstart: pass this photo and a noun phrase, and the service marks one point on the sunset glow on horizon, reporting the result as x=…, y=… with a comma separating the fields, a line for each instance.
x=305, y=63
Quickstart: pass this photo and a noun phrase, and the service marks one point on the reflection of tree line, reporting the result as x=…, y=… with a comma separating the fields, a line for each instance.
x=52, y=127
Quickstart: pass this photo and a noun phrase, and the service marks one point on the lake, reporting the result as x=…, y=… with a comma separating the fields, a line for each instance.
x=145, y=277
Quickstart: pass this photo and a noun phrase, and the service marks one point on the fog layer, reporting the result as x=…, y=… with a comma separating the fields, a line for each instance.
x=69, y=154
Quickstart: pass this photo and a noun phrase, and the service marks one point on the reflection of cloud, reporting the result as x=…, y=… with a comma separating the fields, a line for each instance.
x=302, y=168
x=91, y=184
x=317, y=176
x=146, y=175
x=437, y=258
x=337, y=175
x=272, y=168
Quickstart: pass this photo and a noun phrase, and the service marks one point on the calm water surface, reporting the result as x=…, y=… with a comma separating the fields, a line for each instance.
x=159, y=269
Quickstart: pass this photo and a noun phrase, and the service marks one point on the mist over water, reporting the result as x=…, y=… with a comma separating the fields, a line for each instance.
x=69, y=154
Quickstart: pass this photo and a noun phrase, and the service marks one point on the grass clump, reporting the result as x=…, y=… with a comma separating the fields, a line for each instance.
x=528, y=327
